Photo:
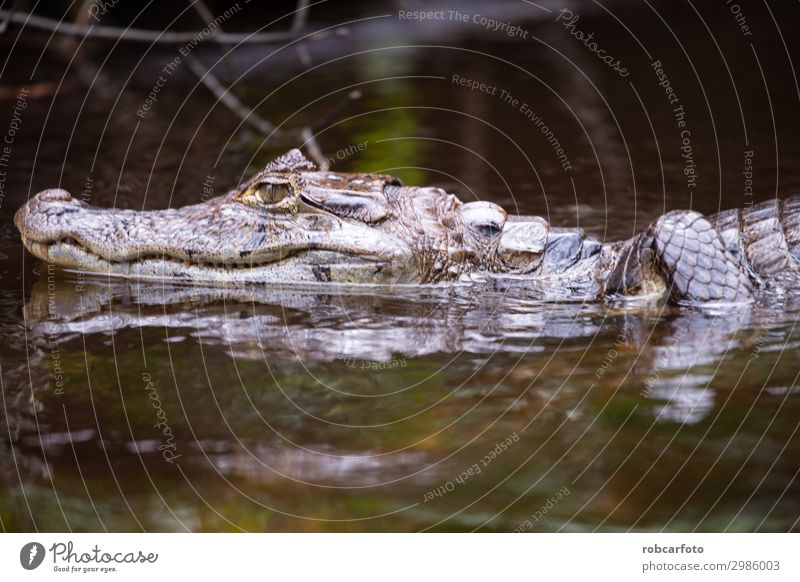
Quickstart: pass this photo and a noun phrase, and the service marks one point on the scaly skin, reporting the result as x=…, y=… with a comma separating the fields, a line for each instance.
x=291, y=223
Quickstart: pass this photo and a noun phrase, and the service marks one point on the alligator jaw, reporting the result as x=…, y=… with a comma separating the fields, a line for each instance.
x=304, y=267
x=219, y=242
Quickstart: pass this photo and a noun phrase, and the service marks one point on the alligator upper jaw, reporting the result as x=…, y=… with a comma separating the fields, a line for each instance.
x=217, y=242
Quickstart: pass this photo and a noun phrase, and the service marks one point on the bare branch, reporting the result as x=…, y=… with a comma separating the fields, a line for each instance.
x=314, y=150
x=9, y=13
x=323, y=121
x=227, y=98
x=204, y=13
x=140, y=35
x=300, y=15
x=83, y=13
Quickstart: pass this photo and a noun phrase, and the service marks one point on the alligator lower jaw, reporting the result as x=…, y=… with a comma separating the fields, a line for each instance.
x=312, y=266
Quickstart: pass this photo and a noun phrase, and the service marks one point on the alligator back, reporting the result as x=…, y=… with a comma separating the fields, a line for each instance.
x=764, y=237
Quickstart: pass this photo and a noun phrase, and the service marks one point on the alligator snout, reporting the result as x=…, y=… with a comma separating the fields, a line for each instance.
x=52, y=195
x=48, y=202
x=43, y=211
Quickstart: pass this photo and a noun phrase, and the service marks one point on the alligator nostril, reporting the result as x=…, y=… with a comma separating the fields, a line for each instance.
x=54, y=195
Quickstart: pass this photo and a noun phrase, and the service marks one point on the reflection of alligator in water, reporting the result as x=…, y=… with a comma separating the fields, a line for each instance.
x=296, y=328
x=308, y=324
x=292, y=223
x=319, y=324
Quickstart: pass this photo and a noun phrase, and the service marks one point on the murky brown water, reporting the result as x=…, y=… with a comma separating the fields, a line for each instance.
x=147, y=407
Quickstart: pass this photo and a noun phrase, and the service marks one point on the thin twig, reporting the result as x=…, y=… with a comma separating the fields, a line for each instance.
x=83, y=14
x=300, y=15
x=323, y=121
x=307, y=133
x=204, y=13
x=227, y=98
x=92, y=77
x=140, y=35
x=314, y=150
x=9, y=14
x=298, y=22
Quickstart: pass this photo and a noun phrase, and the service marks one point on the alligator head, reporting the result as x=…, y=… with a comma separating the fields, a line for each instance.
x=290, y=223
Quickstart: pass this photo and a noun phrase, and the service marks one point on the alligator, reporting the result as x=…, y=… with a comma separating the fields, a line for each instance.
x=293, y=223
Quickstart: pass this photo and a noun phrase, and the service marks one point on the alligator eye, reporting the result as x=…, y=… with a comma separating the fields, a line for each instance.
x=270, y=192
